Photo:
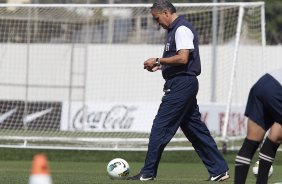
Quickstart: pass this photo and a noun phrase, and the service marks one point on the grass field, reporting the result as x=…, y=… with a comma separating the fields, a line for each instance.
x=89, y=167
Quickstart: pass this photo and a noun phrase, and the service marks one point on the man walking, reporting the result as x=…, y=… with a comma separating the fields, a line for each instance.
x=180, y=67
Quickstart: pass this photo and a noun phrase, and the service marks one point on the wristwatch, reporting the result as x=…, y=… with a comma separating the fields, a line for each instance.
x=158, y=61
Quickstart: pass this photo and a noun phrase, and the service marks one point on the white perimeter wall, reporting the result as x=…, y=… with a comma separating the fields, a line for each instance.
x=111, y=75
x=115, y=72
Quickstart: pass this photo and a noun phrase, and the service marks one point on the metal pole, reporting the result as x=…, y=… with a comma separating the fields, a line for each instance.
x=232, y=75
x=111, y=25
x=86, y=44
x=214, y=52
x=70, y=86
x=28, y=39
x=263, y=39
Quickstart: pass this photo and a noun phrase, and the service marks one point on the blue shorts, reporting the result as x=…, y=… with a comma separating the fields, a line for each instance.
x=264, y=104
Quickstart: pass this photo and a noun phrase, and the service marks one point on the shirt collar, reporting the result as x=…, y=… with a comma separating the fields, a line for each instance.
x=173, y=24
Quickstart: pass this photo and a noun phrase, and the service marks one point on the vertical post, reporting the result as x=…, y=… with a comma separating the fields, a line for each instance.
x=138, y=28
x=111, y=25
x=28, y=38
x=86, y=44
x=232, y=75
x=70, y=86
x=263, y=37
x=214, y=51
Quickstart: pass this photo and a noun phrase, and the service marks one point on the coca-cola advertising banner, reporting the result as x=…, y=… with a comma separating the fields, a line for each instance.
x=108, y=116
x=139, y=116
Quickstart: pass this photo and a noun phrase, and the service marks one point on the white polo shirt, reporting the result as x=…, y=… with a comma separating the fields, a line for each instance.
x=184, y=38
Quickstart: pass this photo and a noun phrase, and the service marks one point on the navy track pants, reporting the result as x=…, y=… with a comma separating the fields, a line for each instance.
x=179, y=109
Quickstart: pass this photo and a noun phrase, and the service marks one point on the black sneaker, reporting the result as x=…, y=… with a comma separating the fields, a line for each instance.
x=140, y=177
x=222, y=177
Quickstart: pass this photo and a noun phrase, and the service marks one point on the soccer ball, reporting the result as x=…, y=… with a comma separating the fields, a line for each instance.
x=118, y=168
x=256, y=167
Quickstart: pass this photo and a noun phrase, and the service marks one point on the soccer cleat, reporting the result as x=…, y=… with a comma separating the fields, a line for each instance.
x=140, y=177
x=221, y=177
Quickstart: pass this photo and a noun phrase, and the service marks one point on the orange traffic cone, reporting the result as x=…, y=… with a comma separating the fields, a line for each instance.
x=40, y=170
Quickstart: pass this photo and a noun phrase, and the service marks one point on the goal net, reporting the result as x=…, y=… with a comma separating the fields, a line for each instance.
x=71, y=76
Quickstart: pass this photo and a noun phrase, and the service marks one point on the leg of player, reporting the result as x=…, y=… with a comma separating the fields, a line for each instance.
x=268, y=151
x=255, y=135
x=259, y=121
x=198, y=134
x=272, y=115
x=175, y=103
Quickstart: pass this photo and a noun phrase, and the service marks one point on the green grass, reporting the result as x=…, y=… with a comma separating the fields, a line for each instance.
x=89, y=167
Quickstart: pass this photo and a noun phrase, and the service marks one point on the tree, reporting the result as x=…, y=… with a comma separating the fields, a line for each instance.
x=273, y=22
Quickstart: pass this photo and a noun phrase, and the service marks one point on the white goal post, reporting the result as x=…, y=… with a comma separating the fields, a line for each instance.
x=71, y=75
